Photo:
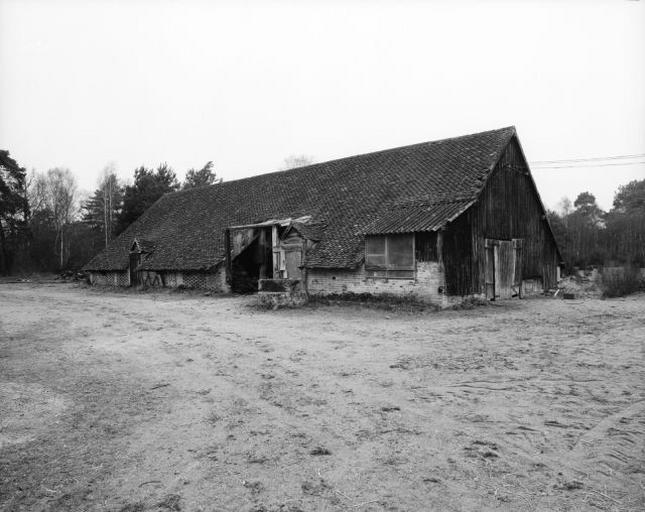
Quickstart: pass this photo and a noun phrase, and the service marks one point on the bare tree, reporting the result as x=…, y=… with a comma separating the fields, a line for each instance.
x=565, y=207
x=294, y=161
x=102, y=208
x=111, y=192
x=36, y=191
x=62, y=202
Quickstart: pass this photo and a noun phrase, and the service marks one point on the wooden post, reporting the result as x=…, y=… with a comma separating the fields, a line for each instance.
x=227, y=250
x=305, y=273
x=262, y=241
x=518, y=244
x=275, y=251
x=441, y=264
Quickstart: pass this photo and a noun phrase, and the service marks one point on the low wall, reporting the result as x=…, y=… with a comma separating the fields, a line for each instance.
x=428, y=286
x=277, y=293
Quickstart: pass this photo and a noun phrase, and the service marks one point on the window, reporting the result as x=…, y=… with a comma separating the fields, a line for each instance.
x=390, y=256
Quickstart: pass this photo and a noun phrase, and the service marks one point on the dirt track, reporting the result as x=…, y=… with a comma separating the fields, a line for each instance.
x=124, y=402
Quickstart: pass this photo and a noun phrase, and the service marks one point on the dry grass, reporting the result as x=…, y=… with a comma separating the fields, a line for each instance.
x=621, y=281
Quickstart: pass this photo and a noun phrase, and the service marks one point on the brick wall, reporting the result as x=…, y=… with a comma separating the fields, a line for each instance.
x=426, y=286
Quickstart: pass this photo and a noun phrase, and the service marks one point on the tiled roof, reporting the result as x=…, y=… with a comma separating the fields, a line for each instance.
x=418, y=187
x=310, y=230
x=144, y=245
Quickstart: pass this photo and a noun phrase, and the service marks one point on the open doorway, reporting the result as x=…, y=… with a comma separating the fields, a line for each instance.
x=271, y=250
x=251, y=259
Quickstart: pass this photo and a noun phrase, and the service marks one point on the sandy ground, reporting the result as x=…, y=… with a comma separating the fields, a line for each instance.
x=124, y=402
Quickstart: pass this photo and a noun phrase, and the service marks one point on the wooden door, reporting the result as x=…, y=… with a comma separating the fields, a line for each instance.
x=135, y=261
x=504, y=269
x=293, y=260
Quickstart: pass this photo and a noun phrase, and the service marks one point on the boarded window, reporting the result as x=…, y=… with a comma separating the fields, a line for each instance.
x=425, y=246
x=390, y=256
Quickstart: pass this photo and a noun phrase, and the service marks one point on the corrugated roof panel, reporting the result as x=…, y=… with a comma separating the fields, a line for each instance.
x=416, y=218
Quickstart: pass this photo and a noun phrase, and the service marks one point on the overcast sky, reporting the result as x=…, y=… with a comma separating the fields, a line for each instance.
x=245, y=84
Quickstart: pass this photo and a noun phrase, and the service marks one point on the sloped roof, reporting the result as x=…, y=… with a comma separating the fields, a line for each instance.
x=310, y=230
x=406, y=189
x=418, y=216
x=143, y=245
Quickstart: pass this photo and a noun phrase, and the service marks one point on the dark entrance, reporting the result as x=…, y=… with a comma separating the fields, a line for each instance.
x=252, y=263
x=135, y=275
x=246, y=270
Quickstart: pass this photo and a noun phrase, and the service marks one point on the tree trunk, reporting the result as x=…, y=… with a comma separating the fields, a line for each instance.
x=4, y=252
x=62, y=249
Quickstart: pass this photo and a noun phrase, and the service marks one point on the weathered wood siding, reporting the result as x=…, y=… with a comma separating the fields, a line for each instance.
x=507, y=208
x=425, y=244
x=457, y=248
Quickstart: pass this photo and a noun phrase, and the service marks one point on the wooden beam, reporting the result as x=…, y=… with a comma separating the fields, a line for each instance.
x=227, y=250
x=275, y=252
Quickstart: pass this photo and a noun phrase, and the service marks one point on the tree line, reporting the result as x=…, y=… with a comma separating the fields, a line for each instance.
x=588, y=236
x=46, y=226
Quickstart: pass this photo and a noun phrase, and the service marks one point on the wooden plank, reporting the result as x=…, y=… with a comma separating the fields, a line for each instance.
x=262, y=242
x=504, y=269
x=489, y=277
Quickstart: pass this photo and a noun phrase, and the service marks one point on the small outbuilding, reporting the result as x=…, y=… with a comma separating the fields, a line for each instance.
x=436, y=221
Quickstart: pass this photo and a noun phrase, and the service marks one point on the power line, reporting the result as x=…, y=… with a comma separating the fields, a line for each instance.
x=540, y=168
x=590, y=159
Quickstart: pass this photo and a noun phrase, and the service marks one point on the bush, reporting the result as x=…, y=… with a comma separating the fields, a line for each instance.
x=620, y=281
x=471, y=303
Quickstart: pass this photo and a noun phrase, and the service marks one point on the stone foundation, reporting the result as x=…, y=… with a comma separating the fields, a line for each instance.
x=428, y=285
x=280, y=293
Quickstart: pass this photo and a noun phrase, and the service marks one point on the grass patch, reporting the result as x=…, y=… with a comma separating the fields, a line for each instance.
x=621, y=281
x=470, y=303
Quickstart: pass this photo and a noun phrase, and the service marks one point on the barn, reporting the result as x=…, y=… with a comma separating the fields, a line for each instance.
x=436, y=221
